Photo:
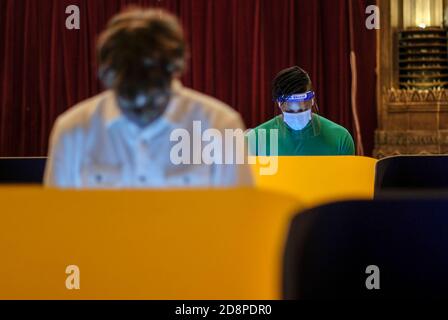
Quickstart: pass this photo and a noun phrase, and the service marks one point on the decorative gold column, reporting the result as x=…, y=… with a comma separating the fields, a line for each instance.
x=409, y=121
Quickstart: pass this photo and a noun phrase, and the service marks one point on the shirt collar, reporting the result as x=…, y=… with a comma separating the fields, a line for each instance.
x=113, y=114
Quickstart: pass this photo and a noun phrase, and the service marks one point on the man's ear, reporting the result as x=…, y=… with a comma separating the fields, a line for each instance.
x=107, y=76
x=313, y=102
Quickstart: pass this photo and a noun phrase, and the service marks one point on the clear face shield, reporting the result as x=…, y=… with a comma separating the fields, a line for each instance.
x=300, y=114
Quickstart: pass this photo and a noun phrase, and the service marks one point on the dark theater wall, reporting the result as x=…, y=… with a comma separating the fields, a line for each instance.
x=237, y=47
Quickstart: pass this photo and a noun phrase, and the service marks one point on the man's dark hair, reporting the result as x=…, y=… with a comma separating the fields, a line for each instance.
x=138, y=44
x=290, y=81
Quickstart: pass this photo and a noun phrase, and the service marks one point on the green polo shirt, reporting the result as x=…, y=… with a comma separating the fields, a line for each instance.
x=321, y=137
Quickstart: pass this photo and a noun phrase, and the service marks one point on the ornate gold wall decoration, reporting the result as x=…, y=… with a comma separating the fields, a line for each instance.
x=414, y=122
x=411, y=121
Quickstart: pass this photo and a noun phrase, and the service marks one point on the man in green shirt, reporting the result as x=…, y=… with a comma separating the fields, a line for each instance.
x=299, y=131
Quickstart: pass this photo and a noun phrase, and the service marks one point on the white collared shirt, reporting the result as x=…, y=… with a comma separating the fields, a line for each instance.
x=93, y=145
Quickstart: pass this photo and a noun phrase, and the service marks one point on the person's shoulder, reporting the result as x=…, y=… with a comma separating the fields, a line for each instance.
x=212, y=108
x=332, y=127
x=270, y=124
x=80, y=114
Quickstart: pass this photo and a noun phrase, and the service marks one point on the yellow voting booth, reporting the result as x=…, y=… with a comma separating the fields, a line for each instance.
x=142, y=244
x=318, y=179
x=179, y=244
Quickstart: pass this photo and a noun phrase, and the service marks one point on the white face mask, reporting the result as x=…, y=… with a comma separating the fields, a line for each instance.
x=297, y=121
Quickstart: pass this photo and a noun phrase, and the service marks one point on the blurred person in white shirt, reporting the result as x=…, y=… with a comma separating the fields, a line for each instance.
x=121, y=137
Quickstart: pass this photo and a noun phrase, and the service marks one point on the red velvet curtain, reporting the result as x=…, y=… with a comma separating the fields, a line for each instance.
x=324, y=45
x=237, y=47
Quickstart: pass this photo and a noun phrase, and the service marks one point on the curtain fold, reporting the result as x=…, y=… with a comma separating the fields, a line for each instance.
x=236, y=49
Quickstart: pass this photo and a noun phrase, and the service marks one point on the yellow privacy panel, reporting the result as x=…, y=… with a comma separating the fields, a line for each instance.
x=318, y=179
x=222, y=244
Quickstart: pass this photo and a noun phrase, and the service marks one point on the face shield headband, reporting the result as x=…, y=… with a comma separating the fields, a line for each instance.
x=297, y=103
x=295, y=98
